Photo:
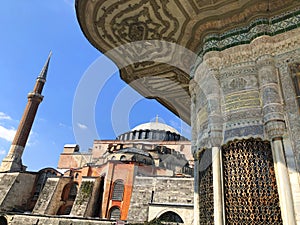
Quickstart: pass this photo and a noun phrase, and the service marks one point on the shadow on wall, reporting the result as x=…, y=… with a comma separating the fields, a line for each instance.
x=3, y=220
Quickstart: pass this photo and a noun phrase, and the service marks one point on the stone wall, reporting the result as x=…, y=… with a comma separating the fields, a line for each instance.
x=49, y=200
x=21, y=219
x=141, y=196
x=159, y=190
x=15, y=190
x=6, y=182
x=184, y=211
x=86, y=197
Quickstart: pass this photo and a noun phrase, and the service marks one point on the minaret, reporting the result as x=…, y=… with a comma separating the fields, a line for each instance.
x=13, y=161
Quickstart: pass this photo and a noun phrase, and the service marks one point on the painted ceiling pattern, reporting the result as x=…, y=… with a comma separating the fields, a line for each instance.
x=111, y=25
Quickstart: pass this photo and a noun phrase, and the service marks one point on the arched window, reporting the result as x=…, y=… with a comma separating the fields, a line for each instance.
x=69, y=192
x=113, y=158
x=147, y=134
x=133, y=135
x=73, y=192
x=118, y=190
x=123, y=158
x=140, y=134
x=115, y=213
x=68, y=196
x=170, y=217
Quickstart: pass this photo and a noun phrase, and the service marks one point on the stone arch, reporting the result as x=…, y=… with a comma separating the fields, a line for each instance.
x=70, y=191
x=123, y=158
x=170, y=216
x=68, y=196
x=114, y=213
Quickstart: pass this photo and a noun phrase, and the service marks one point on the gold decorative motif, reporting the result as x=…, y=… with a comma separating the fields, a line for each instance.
x=249, y=99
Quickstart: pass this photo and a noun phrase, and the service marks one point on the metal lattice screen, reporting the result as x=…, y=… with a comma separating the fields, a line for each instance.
x=250, y=188
x=206, y=196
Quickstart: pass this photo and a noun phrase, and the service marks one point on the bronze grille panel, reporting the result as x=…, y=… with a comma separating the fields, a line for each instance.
x=250, y=188
x=206, y=197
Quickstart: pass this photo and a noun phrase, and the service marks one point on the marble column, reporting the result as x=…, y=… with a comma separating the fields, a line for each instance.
x=193, y=88
x=130, y=136
x=217, y=184
x=151, y=135
x=196, y=192
x=215, y=124
x=274, y=124
x=207, y=86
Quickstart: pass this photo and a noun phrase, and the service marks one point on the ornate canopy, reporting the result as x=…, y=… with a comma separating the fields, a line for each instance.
x=124, y=29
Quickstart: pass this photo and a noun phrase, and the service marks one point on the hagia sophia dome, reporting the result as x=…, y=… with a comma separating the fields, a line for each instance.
x=157, y=131
x=155, y=126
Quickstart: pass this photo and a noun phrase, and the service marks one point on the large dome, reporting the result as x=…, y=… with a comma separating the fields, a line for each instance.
x=155, y=126
x=152, y=131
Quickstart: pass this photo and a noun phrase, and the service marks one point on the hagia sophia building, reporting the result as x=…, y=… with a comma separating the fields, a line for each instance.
x=134, y=178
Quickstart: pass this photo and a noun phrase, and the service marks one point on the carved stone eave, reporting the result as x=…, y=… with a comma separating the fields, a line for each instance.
x=187, y=23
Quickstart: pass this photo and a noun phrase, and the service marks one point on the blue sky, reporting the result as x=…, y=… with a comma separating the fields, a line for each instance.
x=29, y=30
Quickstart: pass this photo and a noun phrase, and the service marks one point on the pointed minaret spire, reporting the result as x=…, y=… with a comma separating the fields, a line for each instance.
x=43, y=73
x=13, y=161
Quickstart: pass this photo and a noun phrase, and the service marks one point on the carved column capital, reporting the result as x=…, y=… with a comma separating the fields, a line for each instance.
x=275, y=129
x=271, y=99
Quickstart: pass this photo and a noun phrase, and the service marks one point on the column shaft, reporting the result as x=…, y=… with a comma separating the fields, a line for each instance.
x=217, y=184
x=275, y=127
x=283, y=183
x=196, y=193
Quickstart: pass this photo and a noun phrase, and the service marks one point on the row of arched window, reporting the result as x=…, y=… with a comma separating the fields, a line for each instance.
x=152, y=135
x=69, y=194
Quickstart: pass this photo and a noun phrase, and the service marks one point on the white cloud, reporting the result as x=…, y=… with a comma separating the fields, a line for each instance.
x=7, y=134
x=2, y=152
x=82, y=126
x=63, y=125
x=3, y=116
